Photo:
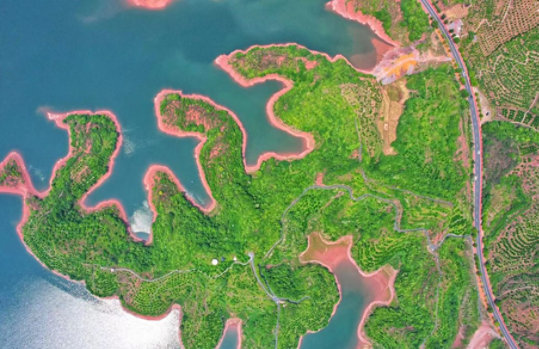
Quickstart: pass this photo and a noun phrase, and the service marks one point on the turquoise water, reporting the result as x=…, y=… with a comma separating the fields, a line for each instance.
x=341, y=331
x=230, y=341
x=96, y=54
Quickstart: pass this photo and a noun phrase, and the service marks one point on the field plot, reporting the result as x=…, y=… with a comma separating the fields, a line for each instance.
x=500, y=21
x=511, y=79
x=500, y=42
x=511, y=226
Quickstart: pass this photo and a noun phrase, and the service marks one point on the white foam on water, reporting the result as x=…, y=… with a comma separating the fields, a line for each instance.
x=141, y=220
x=51, y=317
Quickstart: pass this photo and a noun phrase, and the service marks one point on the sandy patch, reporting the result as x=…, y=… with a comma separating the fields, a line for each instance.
x=482, y=337
x=486, y=110
x=404, y=61
x=393, y=98
x=458, y=11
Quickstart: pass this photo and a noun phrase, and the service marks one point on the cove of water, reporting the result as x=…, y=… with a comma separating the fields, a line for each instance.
x=342, y=329
x=97, y=54
x=230, y=341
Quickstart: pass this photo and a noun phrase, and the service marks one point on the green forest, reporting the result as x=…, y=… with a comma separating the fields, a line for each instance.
x=396, y=207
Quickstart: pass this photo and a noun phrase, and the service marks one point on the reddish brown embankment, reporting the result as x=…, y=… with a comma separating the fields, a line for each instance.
x=331, y=255
x=482, y=336
x=149, y=4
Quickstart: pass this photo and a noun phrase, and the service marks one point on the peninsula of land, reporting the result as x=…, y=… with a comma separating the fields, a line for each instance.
x=272, y=233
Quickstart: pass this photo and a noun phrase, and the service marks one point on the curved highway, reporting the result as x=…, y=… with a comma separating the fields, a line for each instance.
x=478, y=172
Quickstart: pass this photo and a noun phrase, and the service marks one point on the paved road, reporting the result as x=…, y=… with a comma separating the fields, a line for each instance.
x=478, y=171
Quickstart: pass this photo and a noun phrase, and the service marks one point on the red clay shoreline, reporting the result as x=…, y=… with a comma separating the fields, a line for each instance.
x=175, y=131
x=341, y=8
x=29, y=189
x=152, y=5
x=307, y=138
x=233, y=324
x=222, y=62
x=25, y=189
x=157, y=317
x=331, y=261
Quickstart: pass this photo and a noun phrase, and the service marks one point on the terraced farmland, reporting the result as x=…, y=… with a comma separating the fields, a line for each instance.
x=510, y=78
x=511, y=223
x=500, y=21
x=500, y=42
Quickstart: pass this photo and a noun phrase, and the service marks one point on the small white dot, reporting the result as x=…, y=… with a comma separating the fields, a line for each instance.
x=214, y=261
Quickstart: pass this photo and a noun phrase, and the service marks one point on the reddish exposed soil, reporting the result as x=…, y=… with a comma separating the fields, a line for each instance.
x=457, y=343
x=319, y=179
x=482, y=337
x=463, y=152
x=149, y=4
x=309, y=64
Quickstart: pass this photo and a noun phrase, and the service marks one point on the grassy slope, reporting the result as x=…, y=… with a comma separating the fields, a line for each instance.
x=250, y=208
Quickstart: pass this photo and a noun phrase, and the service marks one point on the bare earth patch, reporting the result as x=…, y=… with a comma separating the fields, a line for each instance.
x=463, y=152
x=482, y=337
x=393, y=98
x=457, y=11
x=405, y=61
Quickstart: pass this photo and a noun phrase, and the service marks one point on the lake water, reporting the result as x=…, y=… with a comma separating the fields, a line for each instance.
x=342, y=329
x=230, y=339
x=97, y=54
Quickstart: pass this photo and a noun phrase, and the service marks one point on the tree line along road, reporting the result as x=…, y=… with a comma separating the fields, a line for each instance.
x=478, y=172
